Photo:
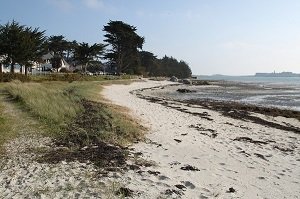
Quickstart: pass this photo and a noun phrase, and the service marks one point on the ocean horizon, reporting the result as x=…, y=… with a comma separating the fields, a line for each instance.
x=280, y=92
x=292, y=81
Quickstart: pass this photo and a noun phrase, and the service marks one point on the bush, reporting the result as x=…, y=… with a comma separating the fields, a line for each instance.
x=8, y=77
x=64, y=70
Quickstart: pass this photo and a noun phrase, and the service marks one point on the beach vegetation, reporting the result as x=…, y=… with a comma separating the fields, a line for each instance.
x=5, y=127
x=75, y=112
x=68, y=77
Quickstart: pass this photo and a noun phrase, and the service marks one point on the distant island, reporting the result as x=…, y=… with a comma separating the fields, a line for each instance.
x=282, y=74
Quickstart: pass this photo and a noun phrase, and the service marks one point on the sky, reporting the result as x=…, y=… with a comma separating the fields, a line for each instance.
x=230, y=37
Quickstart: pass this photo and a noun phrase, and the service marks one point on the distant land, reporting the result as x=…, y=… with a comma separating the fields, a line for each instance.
x=282, y=74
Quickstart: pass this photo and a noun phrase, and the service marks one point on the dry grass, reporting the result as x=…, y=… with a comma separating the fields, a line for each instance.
x=14, y=122
x=5, y=128
x=76, y=110
x=53, y=103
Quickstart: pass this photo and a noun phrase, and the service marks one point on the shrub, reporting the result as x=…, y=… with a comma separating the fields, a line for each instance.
x=8, y=77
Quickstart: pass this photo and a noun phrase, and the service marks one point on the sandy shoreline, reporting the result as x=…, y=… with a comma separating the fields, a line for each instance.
x=213, y=157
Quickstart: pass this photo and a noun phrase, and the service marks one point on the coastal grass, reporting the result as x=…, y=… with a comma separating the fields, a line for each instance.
x=68, y=77
x=75, y=112
x=5, y=128
x=49, y=102
x=15, y=122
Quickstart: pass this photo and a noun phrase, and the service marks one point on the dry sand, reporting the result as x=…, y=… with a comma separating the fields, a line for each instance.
x=222, y=167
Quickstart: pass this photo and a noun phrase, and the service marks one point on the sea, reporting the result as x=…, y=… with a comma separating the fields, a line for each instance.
x=280, y=92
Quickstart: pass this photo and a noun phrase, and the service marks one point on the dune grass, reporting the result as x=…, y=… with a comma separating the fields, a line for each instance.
x=75, y=112
x=5, y=127
x=68, y=77
x=50, y=102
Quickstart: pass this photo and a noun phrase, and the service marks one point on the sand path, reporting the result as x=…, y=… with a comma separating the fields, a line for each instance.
x=201, y=158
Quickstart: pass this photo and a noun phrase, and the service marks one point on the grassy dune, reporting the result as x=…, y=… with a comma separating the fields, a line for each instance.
x=51, y=102
x=73, y=112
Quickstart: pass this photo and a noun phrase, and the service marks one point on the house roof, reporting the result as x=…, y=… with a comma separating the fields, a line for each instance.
x=47, y=56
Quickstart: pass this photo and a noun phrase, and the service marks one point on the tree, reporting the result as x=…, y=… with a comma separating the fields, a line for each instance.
x=124, y=43
x=85, y=54
x=150, y=63
x=70, y=51
x=57, y=45
x=20, y=44
x=169, y=66
x=35, y=47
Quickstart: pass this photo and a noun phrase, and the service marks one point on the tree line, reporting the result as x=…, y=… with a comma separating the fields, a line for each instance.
x=122, y=50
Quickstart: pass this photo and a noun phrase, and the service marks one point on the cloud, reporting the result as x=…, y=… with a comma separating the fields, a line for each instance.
x=94, y=4
x=64, y=5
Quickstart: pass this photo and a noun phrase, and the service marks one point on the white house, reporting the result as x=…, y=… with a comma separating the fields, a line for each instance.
x=36, y=67
x=47, y=66
x=6, y=68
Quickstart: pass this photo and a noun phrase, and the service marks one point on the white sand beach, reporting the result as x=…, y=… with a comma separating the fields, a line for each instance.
x=213, y=157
